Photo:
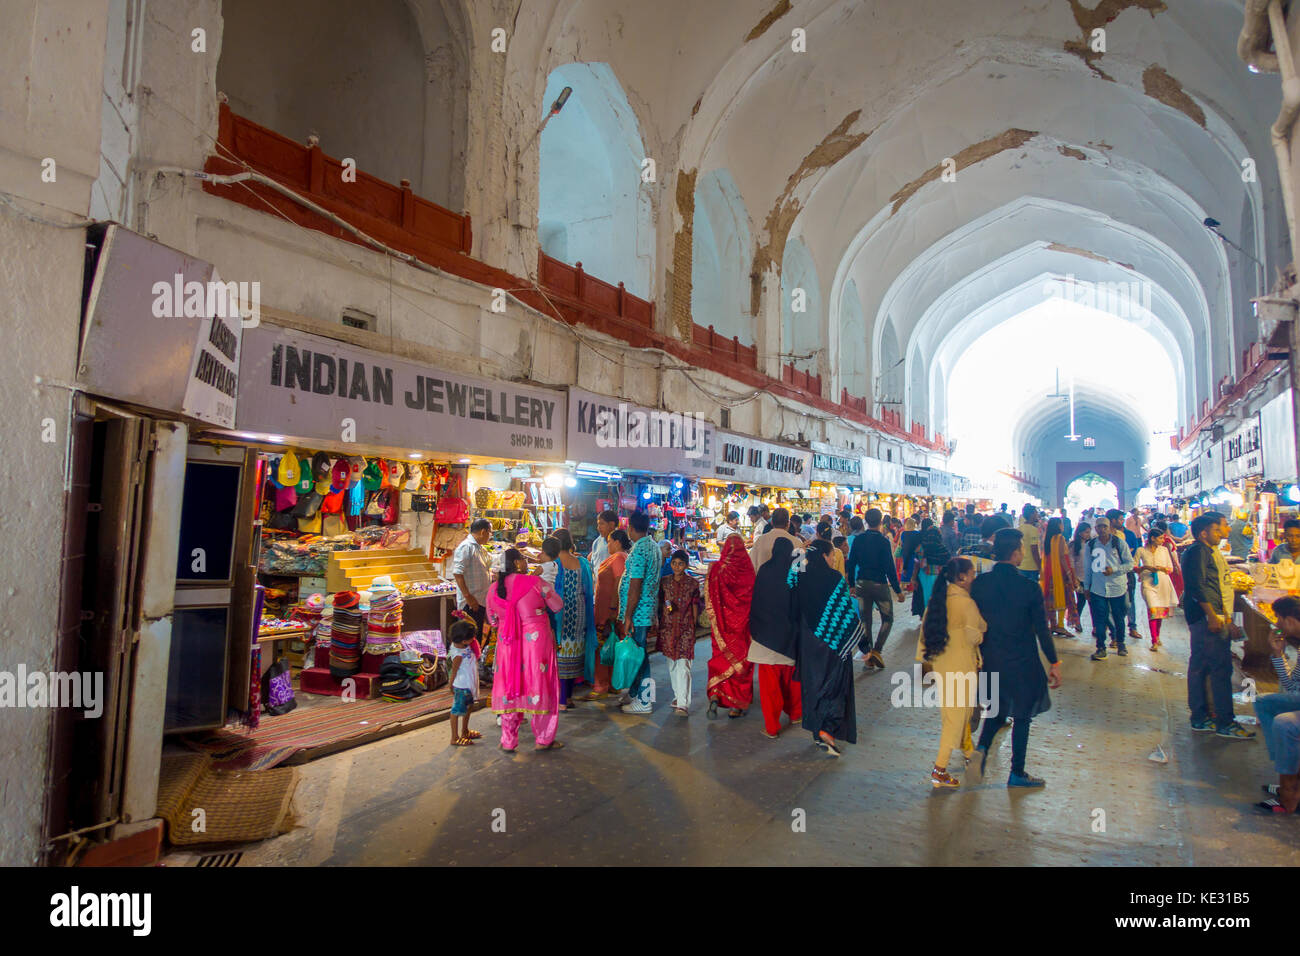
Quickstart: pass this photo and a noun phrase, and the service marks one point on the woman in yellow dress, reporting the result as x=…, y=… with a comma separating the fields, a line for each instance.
x=951, y=633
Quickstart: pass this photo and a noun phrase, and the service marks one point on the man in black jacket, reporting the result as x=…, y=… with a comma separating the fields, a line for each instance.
x=871, y=565
x=1207, y=607
x=1012, y=607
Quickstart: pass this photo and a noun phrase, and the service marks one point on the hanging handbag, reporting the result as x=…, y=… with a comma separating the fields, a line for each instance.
x=423, y=502
x=452, y=508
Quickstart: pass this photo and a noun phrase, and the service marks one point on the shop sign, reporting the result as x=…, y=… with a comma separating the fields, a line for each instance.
x=916, y=481
x=636, y=438
x=1277, y=435
x=1243, y=455
x=836, y=466
x=941, y=483
x=1212, y=467
x=1162, y=482
x=163, y=330
x=1187, y=480
x=960, y=486
x=750, y=461
x=882, y=477
x=312, y=388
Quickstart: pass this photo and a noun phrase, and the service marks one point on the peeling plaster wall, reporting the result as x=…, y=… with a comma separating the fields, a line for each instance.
x=50, y=98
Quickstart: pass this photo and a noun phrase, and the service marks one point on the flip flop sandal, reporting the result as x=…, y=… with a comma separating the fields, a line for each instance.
x=553, y=745
x=713, y=709
x=1271, y=806
x=506, y=750
x=1271, y=789
x=474, y=735
x=828, y=745
x=735, y=712
x=462, y=742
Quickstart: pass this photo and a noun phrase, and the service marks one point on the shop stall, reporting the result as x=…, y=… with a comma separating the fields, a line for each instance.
x=369, y=470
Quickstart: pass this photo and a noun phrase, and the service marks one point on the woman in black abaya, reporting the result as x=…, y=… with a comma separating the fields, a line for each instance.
x=829, y=630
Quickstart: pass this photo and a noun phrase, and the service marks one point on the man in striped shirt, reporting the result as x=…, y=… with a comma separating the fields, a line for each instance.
x=1279, y=714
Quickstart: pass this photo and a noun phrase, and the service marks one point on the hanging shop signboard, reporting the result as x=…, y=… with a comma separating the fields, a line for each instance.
x=1277, y=435
x=1187, y=480
x=940, y=483
x=1212, y=467
x=753, y=462
x=960, y=486
x=836, y=466
x=308, y=387
x=1243, y=454
x=916, y=481
x=163, y=330
x=1162, y=483
x=636, y=438
x=882, y=477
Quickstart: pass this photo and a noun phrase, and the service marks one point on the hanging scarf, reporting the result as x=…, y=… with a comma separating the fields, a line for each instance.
x=769, y=615
x=731, y=590
x=827, y=607
x=1053, y=582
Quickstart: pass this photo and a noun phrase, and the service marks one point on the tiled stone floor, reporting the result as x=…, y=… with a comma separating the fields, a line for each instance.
x=666, y=790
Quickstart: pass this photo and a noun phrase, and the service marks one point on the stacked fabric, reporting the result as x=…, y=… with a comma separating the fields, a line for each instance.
x=347, y=635
x=384, y=627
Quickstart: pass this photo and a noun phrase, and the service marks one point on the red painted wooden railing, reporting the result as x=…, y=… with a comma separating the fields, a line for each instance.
x=397, y=217
x=392, y=214
x=597, y=300
x=801, y=379
x=728, y=349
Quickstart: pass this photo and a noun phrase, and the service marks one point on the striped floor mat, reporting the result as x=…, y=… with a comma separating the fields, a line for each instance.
x=279, y=738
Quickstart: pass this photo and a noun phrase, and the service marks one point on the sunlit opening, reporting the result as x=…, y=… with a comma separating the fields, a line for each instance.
x=1024, y=368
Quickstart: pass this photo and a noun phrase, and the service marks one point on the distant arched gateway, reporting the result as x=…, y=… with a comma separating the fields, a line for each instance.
x=1070, y=471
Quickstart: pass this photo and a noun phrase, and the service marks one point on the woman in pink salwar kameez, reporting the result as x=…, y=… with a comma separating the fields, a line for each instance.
x=526, y=678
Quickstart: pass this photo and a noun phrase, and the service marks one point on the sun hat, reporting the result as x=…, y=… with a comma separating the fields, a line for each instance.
x=382, y=585
x=346, y=600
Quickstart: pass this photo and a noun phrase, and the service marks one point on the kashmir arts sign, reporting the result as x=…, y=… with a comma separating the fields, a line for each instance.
x=310, y=387
x=749, y=461
x=608, y=431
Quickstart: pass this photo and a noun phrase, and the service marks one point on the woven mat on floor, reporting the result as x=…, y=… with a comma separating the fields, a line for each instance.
x=203, y=805
x=278, y=738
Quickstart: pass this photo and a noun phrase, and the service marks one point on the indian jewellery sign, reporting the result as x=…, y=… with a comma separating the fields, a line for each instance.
x=310, y=387
x=749, y=461
x=609, y=431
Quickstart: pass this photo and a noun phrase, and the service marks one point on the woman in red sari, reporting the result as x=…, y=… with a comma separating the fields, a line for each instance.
x=729, y=592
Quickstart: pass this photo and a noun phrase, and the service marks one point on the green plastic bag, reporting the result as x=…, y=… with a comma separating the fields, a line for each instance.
x=628, y=656
x=607, y=650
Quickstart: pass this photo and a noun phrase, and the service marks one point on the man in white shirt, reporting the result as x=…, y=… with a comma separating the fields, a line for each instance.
x=731, y=527
x=469, y=568
x=761, y=520
x=762, y=549
x=606, y=522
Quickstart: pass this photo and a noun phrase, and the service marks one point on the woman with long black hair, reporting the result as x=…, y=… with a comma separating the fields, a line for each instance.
x=951, y=633
x=1079, y=559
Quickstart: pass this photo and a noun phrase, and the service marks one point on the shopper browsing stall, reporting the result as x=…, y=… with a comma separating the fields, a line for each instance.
x=470, y=568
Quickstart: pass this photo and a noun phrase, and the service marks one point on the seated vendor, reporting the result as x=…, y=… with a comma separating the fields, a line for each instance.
x=1290, y=546
x=1279, y=714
